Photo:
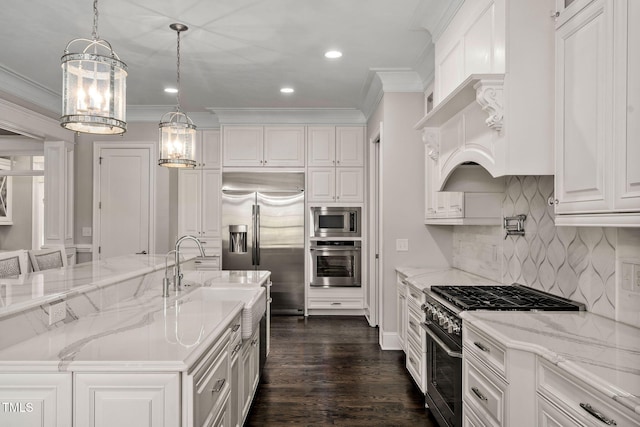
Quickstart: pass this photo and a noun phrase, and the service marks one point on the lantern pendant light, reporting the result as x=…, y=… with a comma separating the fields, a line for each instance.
x=177, y=131
x=94, y=83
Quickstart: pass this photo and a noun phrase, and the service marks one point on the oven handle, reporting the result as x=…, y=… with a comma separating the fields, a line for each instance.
x=438, y=341
x=327, y=249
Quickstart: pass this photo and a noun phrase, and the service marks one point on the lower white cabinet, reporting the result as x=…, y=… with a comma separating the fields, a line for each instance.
x=39, y=400
x=118, y=399
x=574, y=403
x=250, y=359
x=401, y=311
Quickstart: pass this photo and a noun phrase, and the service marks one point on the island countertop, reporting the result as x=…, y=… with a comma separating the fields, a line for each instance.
x=599, y=351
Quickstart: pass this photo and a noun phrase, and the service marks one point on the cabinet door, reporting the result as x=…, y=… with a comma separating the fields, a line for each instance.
x=284, y=146
x=627, y=105
x=349, y=185
x=108, y=399
x=321, y=146
x=251, y=374
x=349, y=146
x=42, y=400
x=189, y=202
x=584, y=49
x=209, y=156
x=211, y=181
x=321, y=184
x=242, y=146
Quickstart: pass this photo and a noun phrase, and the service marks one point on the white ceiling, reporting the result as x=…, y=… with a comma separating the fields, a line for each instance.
x=236, y=53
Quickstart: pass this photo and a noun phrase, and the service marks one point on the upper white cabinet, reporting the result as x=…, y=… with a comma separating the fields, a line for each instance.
x=598, y=113
x=199, y=203
x=492, y=98
x=336, y=164
x=335, y=146
x=208, y=149
x=257, y=146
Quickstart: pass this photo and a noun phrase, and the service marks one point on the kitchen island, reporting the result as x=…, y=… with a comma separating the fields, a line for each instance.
x=122, y=354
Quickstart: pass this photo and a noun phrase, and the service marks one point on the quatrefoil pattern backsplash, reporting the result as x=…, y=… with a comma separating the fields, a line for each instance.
x=574, y=262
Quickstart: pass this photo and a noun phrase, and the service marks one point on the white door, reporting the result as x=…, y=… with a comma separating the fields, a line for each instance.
x=123, y=201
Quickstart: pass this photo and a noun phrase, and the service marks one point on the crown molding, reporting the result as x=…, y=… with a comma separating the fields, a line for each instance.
x=153, y=114
x=382, y=80
x=343, y=116
x=28, y=90
x=29, y=123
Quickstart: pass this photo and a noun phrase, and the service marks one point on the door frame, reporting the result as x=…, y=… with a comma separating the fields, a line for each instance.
x=375, y=228
x=97, y=147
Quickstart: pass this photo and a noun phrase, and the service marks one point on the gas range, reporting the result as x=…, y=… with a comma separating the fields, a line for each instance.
x=443, y=335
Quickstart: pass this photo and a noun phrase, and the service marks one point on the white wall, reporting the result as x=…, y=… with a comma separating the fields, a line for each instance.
x=166, y=185
x=402, y=165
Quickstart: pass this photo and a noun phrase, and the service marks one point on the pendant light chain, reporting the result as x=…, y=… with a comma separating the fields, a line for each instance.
x=95, y=20
x=178, y=82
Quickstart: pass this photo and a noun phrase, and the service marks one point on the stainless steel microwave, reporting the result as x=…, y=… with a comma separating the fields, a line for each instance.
x=336, y=222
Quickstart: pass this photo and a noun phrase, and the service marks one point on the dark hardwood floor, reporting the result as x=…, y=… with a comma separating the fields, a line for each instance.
x=331, y=371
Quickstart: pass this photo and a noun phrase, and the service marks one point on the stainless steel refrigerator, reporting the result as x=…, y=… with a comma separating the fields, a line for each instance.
x=263, y=229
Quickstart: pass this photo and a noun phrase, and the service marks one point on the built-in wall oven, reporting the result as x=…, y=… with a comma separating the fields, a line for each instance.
x=443, y=329
x=335, y=263
x=336, y=222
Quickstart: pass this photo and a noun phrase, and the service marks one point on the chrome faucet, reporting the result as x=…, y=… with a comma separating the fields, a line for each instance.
x=177, y=280
x=166, y=281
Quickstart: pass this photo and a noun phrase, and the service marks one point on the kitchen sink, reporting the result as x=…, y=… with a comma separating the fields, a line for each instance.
x=254, y=299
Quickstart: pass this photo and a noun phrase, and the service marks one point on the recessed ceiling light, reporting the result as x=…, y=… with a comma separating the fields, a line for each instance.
x=287, y=90
x=333, y=54
x=171, y=90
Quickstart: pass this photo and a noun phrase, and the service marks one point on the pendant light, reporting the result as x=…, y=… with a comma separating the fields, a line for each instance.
x=177, y=131
x=94, y=83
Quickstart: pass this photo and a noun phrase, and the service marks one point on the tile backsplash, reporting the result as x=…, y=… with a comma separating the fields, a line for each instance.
x=574, y=262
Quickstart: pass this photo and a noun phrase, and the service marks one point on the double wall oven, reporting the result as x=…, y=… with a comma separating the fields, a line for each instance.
x=335, y=248
x=443, y=328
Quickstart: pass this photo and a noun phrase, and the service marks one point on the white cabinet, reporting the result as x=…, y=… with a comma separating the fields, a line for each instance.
x=335, y=146
x=401, y=310
x=113, y=399
x=339, y=185
x=208, y=149
x=257, y=146
x=58, y=193
x=336, y=164
x=199, y=202
x=42, y=399
x=416, y=341
x=237, y=373
x=335, y=301
x=568, y=401
x=598, y=114
x=250, y=359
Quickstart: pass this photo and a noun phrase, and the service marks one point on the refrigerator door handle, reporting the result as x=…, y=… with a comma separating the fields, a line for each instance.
x=257, y=234
x=253, y=240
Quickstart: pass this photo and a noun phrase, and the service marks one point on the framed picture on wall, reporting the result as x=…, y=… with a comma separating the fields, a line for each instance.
x=5, y=194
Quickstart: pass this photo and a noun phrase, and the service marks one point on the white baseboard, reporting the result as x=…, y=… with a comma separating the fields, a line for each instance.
x=389, y=340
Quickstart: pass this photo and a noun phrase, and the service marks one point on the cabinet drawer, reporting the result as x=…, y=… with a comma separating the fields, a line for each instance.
x=415, y=364
x=471, y=419
x=415, y=298
x=580, y=400
x=415, y=331
x=483, y=391
x=485, y=349
x=335, y=303
x=211, y=382
x=549, y=415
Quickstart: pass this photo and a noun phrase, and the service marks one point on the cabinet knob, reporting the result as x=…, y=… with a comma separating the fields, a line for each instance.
x=265, y=162
x=552, y=201
x=338, y=161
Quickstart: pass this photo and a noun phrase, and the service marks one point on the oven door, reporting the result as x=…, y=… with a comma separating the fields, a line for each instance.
x=335, y=266
x=444, y=376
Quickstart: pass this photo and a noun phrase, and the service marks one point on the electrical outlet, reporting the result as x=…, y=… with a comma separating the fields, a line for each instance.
x=627, y=276
x=402, y=245
x=57, y=312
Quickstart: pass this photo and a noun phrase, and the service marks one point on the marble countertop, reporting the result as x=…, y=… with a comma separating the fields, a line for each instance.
x=599, y=351
x=415, y=271
x=449, y=276
x=33, y=289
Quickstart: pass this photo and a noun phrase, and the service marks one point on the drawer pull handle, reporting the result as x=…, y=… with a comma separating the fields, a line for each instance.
x=236, y=349
x=597, y=414
x=413, y=325
x=413, y=296
x=336, y=303
x=479, y=394
x=219, y=385
x=482, y=347
x=236, y=327
x=413, y=362
x=254, y=342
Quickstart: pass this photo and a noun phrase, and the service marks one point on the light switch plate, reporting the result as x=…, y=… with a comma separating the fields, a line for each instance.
x=402, y=245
